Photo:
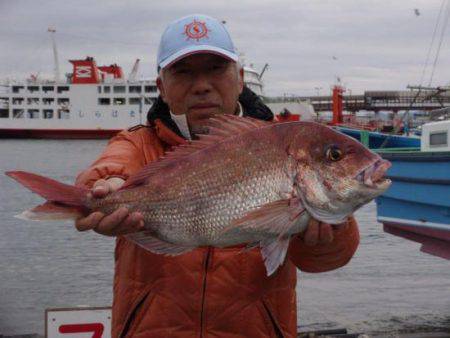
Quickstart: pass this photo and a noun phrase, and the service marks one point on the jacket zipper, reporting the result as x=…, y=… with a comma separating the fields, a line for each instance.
x=202, y=321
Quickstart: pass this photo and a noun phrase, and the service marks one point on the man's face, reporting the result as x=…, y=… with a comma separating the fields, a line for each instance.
x=200, y=86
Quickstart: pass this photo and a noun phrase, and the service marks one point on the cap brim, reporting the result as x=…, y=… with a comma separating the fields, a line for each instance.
x=197, y=50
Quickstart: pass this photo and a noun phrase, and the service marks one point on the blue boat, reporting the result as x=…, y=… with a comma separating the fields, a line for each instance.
x=375, y=140
x=417, y=205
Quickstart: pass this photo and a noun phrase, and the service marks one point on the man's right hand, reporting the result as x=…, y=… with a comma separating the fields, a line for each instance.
x=120, y=222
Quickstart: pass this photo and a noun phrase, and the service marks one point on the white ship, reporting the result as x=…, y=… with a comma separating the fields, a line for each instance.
x=93, y=102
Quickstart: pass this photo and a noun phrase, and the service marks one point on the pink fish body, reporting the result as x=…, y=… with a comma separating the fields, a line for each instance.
x=246, y=182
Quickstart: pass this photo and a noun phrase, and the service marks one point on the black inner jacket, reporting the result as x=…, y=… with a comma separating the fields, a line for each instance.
x=252, y=106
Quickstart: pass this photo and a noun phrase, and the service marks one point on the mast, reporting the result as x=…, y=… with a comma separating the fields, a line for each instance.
x=55, y=53
x=132, y=76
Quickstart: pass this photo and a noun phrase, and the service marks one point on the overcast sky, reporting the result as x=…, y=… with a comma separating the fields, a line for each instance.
x=369, y=44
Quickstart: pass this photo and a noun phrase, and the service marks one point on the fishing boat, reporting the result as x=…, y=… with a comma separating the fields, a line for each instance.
x=417, y=205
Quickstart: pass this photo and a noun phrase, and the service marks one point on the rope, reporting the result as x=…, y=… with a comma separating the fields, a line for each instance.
x=402, y=120
x=432, y=42
x=444, y=26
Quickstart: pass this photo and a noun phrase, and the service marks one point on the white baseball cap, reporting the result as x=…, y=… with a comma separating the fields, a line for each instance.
x=194, y=34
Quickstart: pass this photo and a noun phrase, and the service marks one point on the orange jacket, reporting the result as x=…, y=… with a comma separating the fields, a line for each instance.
x=208, y=292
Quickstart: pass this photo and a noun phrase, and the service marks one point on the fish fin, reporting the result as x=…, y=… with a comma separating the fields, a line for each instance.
x=231, y=125
x=250, y=246
x=51, y=211
x=146, y=239
x=273, y=252
x=50, y=189
x=63, y=201
x=276, y=218
x=220, y=127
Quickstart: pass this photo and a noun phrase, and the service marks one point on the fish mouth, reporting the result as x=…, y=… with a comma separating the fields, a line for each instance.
x=373, y=175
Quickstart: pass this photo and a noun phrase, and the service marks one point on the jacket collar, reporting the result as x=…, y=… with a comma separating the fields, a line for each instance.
x=166, y=134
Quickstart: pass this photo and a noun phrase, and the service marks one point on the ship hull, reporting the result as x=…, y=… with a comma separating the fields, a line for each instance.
x=58, y=133
x=417, y=205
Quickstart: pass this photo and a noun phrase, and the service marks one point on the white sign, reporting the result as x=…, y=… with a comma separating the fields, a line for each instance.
x=83, y=71
x=78, y=322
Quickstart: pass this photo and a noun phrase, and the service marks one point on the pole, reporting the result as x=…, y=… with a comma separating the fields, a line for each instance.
x=140, y=109
x=55, y=53
x=337, y=105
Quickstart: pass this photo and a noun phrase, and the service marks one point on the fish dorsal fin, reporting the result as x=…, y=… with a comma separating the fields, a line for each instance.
x=220, y=128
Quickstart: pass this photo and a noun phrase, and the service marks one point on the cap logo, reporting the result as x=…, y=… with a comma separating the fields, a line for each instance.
x=196, y=30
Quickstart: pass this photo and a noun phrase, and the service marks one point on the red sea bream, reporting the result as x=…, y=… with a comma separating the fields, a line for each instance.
x=245, y=182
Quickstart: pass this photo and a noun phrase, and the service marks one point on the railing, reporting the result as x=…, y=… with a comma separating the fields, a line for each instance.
x=396, y=150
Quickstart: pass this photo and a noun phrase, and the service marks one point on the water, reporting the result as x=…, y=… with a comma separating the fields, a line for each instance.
x=388, y=286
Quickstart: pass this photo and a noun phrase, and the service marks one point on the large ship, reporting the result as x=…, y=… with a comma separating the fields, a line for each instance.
x=93, y=102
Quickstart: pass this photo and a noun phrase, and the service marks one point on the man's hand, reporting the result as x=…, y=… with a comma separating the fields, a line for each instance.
x=120, y=222
x=319, y=233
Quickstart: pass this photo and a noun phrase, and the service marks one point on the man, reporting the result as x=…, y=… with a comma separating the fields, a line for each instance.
x=208, y=292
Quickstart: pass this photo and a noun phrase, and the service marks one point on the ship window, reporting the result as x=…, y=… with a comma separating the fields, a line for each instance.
x=62, y=89
x=18, y=113
x=48, y=89
x=47, y=113
x=33, y=100
x=63, y=114
x=99, y=88
x=16, y=89
x=48, y=100
x=32, y=89
x=135, y=89
x=134, y=100
x=4, y=113
x=119, y=89
x=4, y=103
x=119, y=101
x=104, y=101
x=150, y=89
x=148, y=100
x=63, y=100
x=17, y=100
x=106, y=89
x=438, y=139
x=33, y=113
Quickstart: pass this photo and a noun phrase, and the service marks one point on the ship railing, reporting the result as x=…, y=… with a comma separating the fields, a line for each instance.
x=396, y=150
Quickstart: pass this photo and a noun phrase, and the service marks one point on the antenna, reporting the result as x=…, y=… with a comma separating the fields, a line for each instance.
x=55, y=53
x=266, y=66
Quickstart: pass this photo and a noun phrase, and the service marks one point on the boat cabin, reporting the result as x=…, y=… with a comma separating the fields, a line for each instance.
x=436, y=136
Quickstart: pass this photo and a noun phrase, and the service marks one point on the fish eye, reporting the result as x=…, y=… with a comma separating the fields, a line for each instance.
x=333, y=153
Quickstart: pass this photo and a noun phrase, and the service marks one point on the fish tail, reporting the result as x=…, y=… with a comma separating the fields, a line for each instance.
x=63, y=201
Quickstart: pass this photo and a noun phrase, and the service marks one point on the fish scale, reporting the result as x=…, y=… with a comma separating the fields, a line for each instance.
x=201, y=202
x=217, y=200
